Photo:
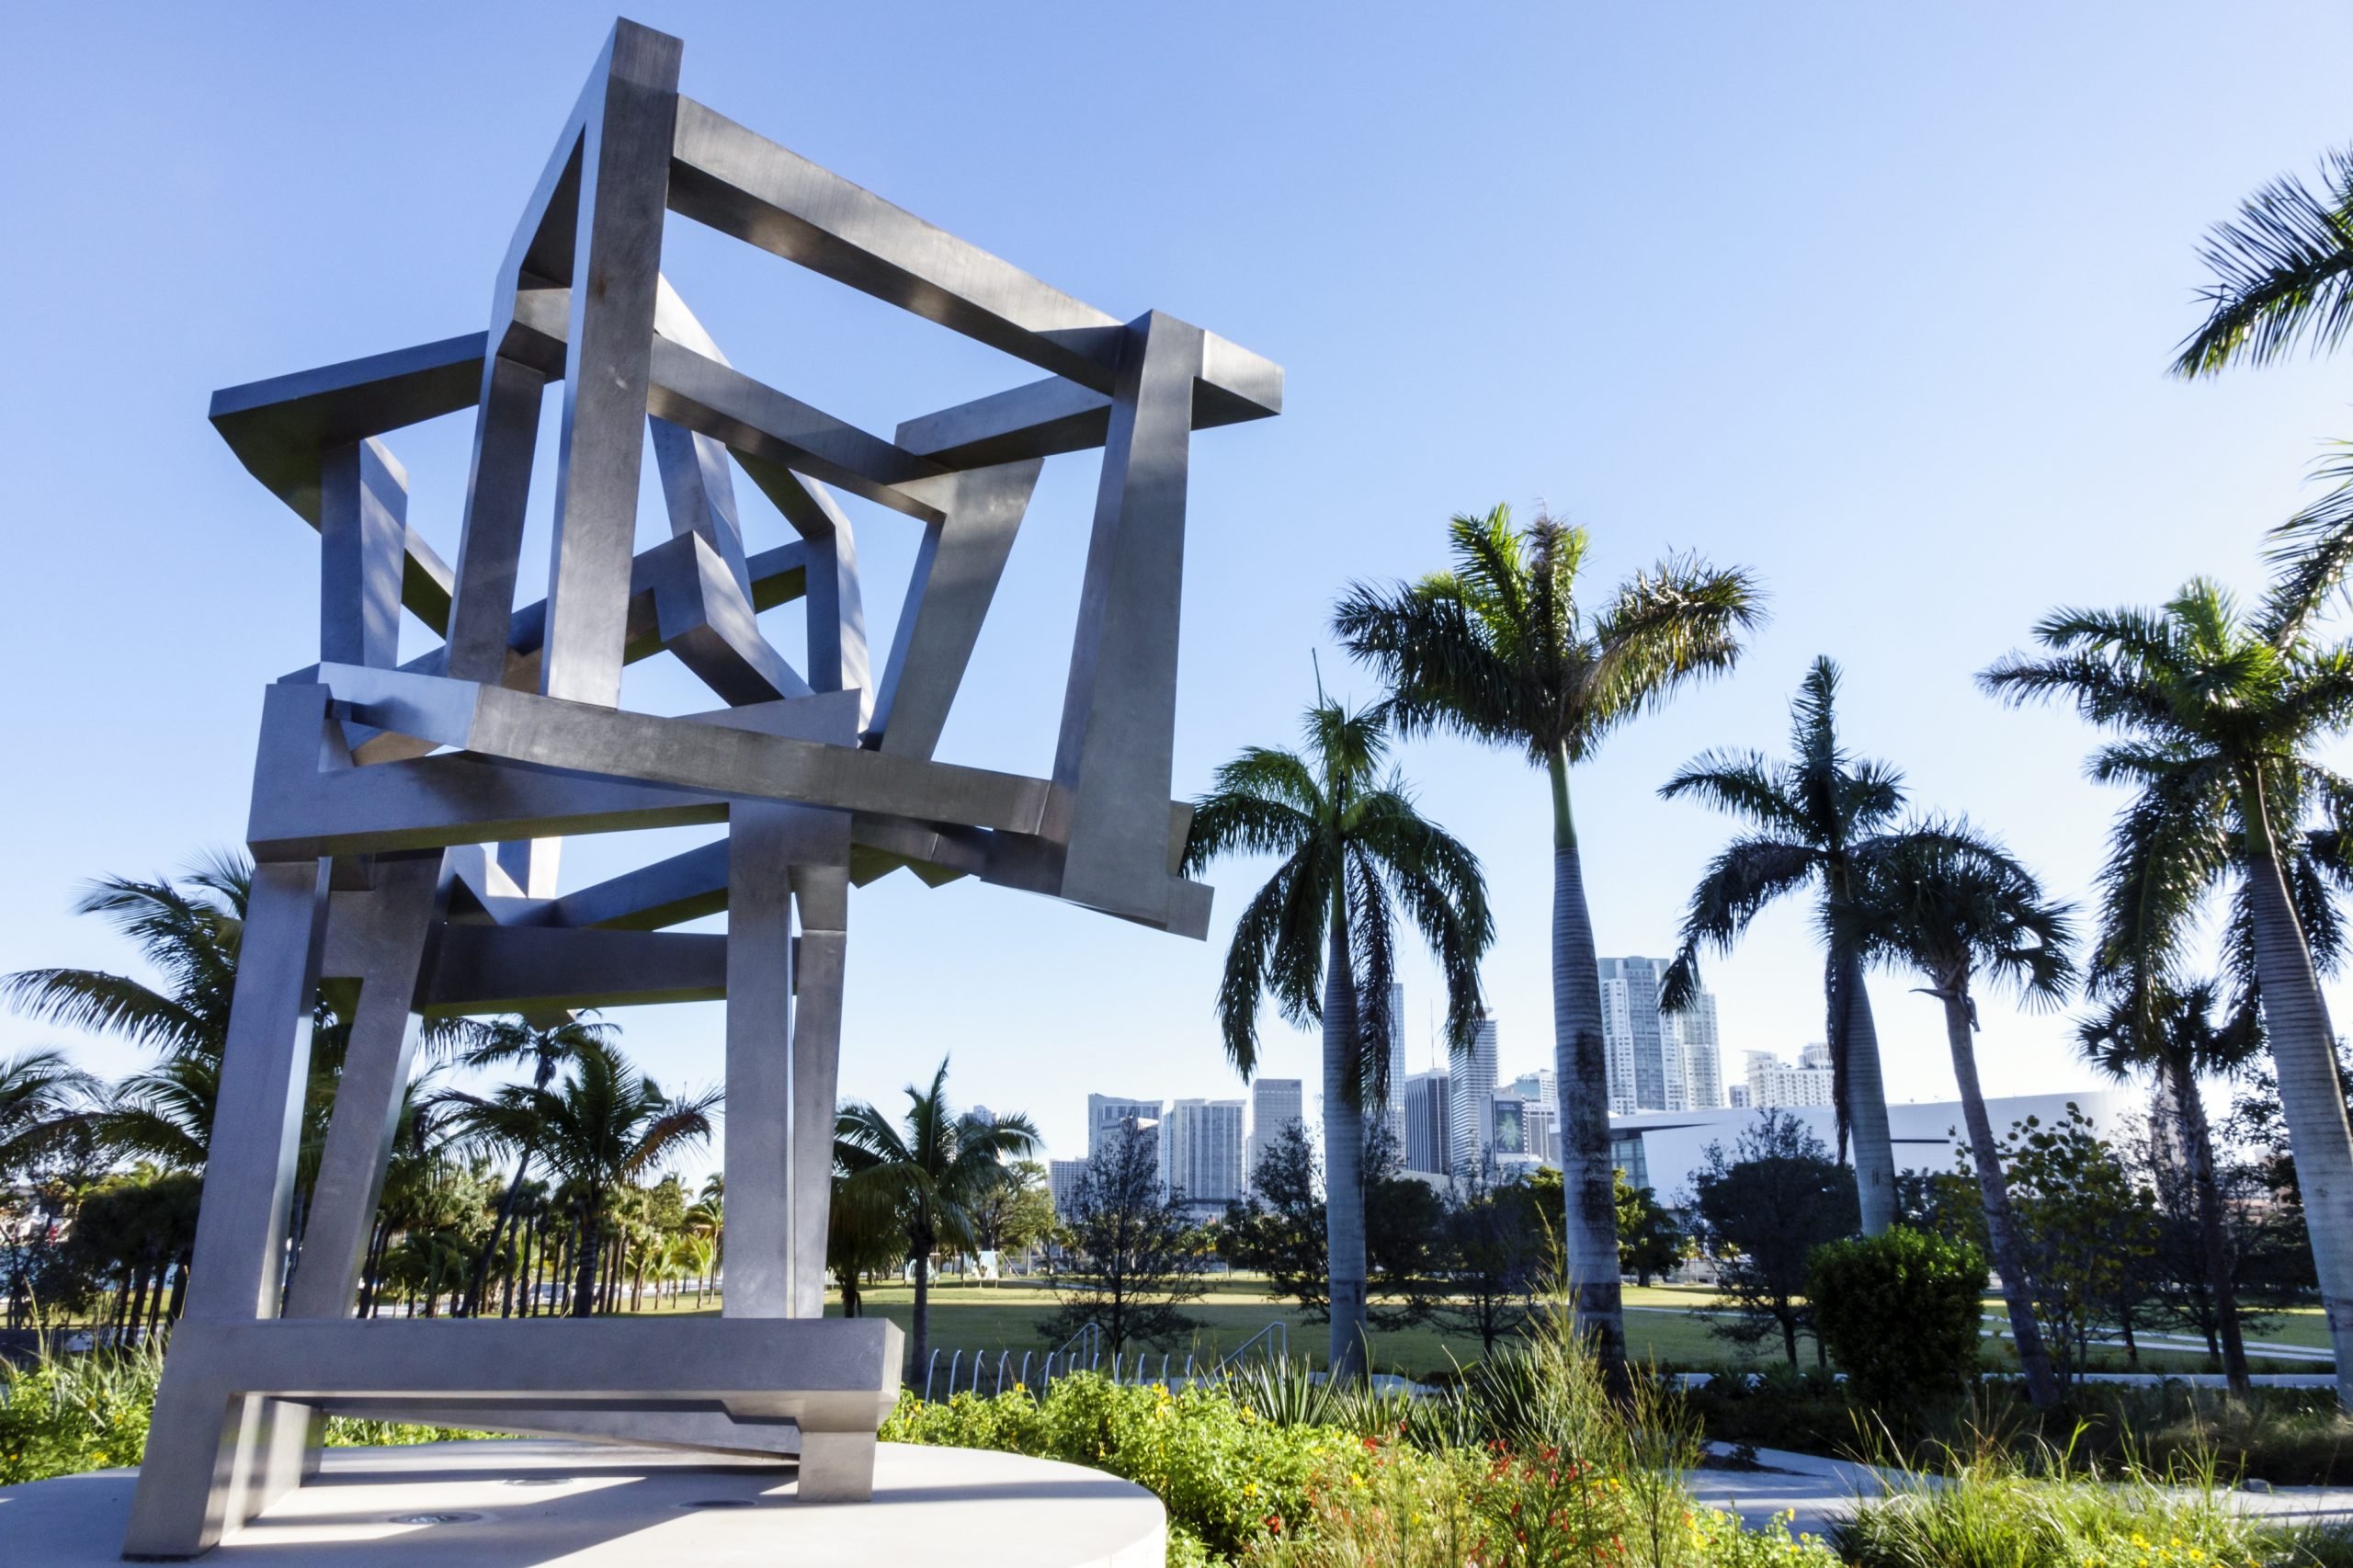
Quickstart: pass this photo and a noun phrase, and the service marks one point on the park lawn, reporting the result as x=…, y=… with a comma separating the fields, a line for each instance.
x=990, y=1319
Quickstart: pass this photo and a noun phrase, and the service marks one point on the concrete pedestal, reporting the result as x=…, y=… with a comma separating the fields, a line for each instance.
x=509, y=1504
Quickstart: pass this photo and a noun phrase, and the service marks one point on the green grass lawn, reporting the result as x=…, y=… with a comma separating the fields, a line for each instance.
x=992, y=1318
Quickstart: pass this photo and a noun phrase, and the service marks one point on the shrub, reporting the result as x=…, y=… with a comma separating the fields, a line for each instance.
x=1901, y=1314
x=63, y=1414
x=1226, y=1475
x=1395, y=1506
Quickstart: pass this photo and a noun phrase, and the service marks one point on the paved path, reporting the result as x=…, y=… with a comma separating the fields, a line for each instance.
x=1822, y=1490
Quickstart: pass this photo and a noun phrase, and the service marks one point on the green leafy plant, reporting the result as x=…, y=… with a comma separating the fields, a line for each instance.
x=1900, y=1313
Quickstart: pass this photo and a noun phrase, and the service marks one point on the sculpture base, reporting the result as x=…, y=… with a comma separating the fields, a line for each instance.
x=513, y=1503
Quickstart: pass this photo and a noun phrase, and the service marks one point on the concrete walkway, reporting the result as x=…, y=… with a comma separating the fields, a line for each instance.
x=1823, y=1490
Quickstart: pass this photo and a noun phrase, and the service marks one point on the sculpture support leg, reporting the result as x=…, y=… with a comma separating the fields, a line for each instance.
x=781, y=1051
x=208, y=1469
x=759, y=1074
x=378, y=1056
x=822, y=895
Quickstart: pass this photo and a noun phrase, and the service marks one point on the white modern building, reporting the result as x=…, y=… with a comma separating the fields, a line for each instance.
x=1660, y=1150
x=1470, y=1097
x=1428, y=1130
x=1275, y=1104
x=1201, y=1151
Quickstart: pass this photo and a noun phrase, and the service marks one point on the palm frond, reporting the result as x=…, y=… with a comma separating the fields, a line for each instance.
x=2282, y=274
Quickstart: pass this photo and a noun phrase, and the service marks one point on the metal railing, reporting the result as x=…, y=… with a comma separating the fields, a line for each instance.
x=1083, y=1352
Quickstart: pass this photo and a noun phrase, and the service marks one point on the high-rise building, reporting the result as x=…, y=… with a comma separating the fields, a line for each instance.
x=1772, y=1082
x=1107, y=1115
x=1738, y=1094
x=1201, y=1151
x=1702, y=1056
x=1644, y=1046
x=1275, y=1103
x=1815, y=1054
x=1471, y=1098
x=1538, y=1085
x=1427, y=1133
x=1540, y=1120
x=1063, y=1177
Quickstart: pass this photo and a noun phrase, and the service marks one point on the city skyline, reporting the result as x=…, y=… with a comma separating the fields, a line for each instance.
x=1578, y=132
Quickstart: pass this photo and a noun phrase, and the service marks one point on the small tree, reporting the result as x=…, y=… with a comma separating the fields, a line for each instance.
x=1763, y=1210
x=1133, y=1255
x=2090, y=1231
x=1901, y=1313
x=1495, y=1251
x=1278, y=1229
x=1016, y=1210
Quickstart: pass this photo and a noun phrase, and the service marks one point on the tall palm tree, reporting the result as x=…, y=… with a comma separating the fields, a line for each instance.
x=1954, y=909
x=2175, y=1037
x=603, y=1125
x=2283, y=274
x=2219, y=710
x=1501, y=650
x=46, y=1102
x=932, y=1168
x=1319, y=939
x=507, y=1042
x=1813, y=819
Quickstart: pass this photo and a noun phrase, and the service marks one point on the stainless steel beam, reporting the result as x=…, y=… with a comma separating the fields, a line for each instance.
x=616, y=262
x=1112, y=765
x=746, y=185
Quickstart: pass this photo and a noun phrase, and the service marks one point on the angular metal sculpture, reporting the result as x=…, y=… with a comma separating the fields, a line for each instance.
x=406, y=816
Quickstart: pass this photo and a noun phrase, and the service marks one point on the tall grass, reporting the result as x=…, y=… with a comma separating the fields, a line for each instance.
x=61, y=1413
x=2006, y=1504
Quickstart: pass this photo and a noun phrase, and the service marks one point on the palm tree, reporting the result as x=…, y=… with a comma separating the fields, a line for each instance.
x=2283, y=274
x=2219, y=712
x=1319, y=939
x=503, y=1043
x=602, y=1126
x=188, y=930
x=932, y=1169
x=1500, y=650
x=46, y=1102
x=1814, y=819
x=2175, y=1037
x=1953, y=908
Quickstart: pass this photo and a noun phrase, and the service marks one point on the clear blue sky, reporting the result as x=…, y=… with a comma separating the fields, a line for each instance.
x=1876, y=300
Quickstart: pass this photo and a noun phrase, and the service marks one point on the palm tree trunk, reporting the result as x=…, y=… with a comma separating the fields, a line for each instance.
x=2312, y=1098
x=922, y=1346
x=481, y=1281
x=1866, y=1101
x=1581, y=1074
x=1343, y=1152
x=2198, y=1139
x=1993, y=1190
x=583, y=1289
